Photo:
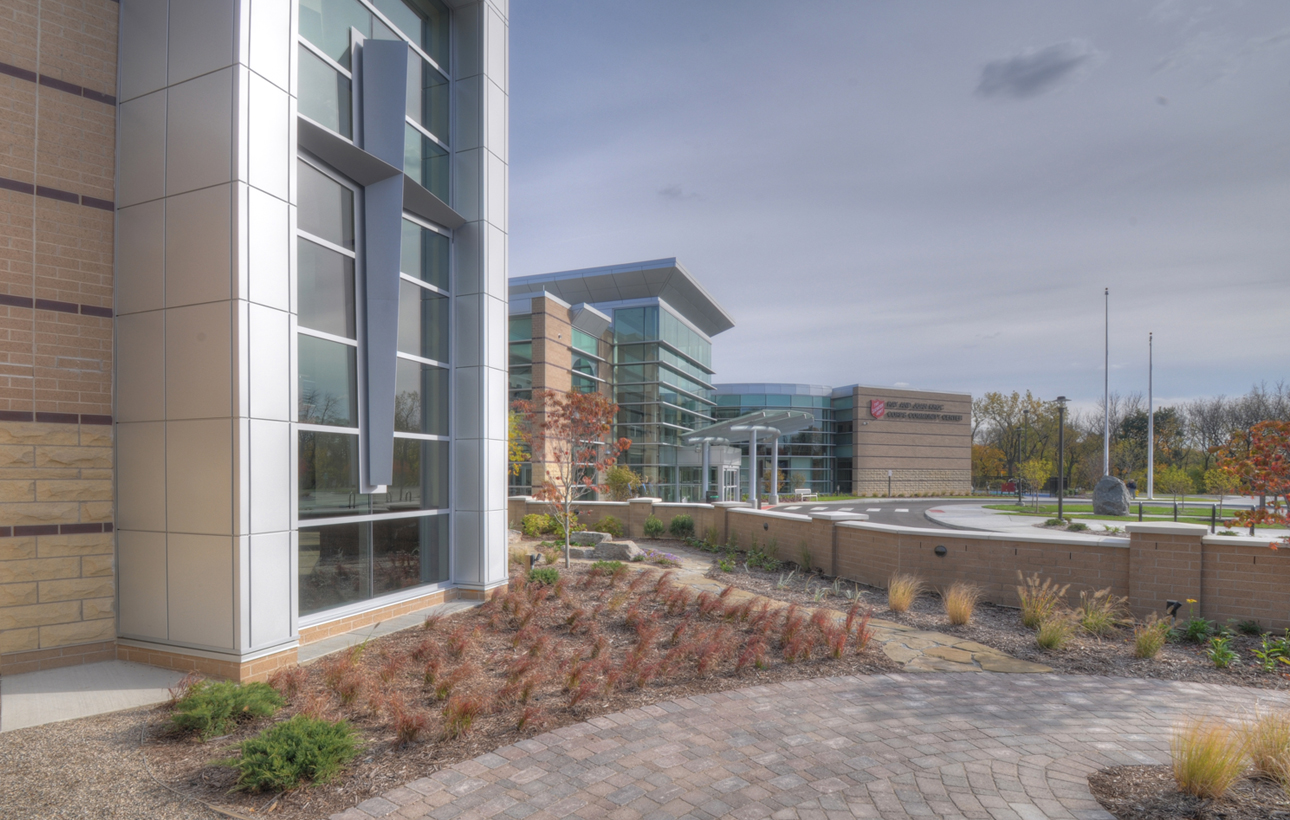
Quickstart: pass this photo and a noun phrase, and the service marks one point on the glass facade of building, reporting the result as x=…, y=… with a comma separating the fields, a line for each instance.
x=663, y=388
x=356, y=542
x=806, y=459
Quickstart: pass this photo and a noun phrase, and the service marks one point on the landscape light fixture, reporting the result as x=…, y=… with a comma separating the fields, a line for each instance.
x=1172, y=607
x=940, y=550
x=765, y=525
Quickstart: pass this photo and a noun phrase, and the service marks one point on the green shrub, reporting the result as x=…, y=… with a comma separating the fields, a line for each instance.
x=1078, y=526
x=1054, y=522
x=544, y=575
x=537, y=524
x=609, y=525
x=608, y=566
x=299, y=750
x=1220, y=652
x=711, y=535
x=212, y=709
x=653, y=528
x=682, y=526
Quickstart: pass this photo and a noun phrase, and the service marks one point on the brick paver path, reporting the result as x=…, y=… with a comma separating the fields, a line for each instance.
x=987, y=746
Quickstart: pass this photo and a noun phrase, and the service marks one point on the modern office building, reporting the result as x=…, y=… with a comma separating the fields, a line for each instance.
x=865, y=441
x=639, y=333
x=253, y=293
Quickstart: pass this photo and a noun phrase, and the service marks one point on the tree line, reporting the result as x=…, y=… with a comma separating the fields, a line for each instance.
x=1015, y=437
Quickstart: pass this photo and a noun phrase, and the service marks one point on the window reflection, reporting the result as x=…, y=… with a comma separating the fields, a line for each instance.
x=326, y=207
x=328, y=382
x=326, y=95
x=424, y=254
x=421, y=398
x=326, y=289
x=423, y=322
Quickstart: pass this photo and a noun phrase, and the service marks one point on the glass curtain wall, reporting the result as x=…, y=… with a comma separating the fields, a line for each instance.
x=662, y=385
x=354, y=546
x=806, y=459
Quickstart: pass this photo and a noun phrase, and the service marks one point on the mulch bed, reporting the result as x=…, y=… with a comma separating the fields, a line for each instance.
x=535, y=659
x=1000, y=627
x=1150, y=793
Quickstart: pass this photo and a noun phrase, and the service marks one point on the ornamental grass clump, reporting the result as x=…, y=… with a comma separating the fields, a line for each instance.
x=1038, y=601
x=960, y=600
x=902, y=590
x=1208, y=757
x=212, y=709
x=1054, y=632
x=1150, y=637
x=1100, y=612
x=1267, y=741
x=300, y=750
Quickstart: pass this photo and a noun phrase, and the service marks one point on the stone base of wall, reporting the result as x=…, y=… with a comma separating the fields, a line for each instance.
x=911, y=482
x=169, y=657
x=17, y=663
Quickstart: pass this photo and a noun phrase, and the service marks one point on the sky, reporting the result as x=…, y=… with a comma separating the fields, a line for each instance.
x=926, y=194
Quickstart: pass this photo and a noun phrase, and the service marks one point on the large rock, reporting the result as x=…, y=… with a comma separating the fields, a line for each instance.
x=587, y=538
x=1111, y=497
x=617, y=551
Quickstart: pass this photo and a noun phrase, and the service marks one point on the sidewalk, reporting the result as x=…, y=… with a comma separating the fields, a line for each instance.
x=52, y=695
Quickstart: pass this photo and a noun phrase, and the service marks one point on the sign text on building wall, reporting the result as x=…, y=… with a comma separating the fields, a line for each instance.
x=911, y=410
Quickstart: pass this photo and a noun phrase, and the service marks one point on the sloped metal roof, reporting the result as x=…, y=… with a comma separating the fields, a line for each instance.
x=786, y=422
x=665, y=279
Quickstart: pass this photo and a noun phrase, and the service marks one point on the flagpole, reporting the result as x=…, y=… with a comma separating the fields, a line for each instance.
x=1151, y=425
x=1106, y=391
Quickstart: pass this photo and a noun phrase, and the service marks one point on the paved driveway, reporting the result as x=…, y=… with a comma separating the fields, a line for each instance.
x=993, y=747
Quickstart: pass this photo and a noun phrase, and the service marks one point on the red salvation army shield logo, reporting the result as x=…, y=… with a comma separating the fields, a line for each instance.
x=877, y=408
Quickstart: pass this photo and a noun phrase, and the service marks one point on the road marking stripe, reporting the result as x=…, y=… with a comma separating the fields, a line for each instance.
x=899, y=509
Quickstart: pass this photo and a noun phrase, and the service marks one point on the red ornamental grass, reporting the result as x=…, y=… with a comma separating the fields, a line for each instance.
x=532, y=719
x=633, y=616
x=584, y=690
x=446, y=683
x=288, y=680
x=350, y=685
x=459, y=714
x=861, y=626
x=617, y=576
x=681, y=630
x=433, y=666
x=460, y=639
x=639, y=581
x=725, y=592
x=708, y=603
x=316, y=706
x=433, y=622
x=392, y=666
x=525, y=636
x=408, y=724
x=664, y=583
x=793, y=623
x=753, y=654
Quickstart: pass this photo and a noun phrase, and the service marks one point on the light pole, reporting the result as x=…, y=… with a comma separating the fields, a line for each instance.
x=1025, y=428
x=1061, y=452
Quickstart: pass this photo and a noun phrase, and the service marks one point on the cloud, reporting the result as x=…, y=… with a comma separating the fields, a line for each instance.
x=676, y=193
x=1036, y=70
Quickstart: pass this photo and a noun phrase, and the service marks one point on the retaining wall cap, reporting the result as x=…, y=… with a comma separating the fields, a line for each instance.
x=600, y=503
x=1245, y=541
x=645, y=500
x=727, y=505
x=1168, y=528
x=698, y=505
x=1002, y=537
x=839, y=516
x=771, y=514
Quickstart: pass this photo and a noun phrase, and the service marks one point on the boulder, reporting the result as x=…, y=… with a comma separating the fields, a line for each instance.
x=587, y=538
x=1111, y=497
x=617, y=551
x=581, y=553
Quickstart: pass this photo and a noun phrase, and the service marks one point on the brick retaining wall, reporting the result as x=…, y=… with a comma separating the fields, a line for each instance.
x=1231, y=577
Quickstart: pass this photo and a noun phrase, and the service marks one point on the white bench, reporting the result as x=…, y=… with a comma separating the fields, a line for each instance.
x=804, y=494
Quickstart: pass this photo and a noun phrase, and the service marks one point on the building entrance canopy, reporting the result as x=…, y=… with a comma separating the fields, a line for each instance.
x=767, y=423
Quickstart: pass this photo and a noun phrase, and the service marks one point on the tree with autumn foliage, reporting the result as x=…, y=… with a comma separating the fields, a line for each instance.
x=1259, y=461
x=571, y=436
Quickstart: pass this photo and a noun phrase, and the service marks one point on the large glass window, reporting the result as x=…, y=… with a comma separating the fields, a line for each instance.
x=425, y=254
x=326, y=207
x=326, y=95
x=423, y=322
x=326, y=289
x=427, y=97
x=421, y=400
x=521, y=328
x=354, y=561
x=328, y=382
x=426, y=162
x=424, y=22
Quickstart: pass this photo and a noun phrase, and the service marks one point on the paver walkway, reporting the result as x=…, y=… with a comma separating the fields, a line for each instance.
x=985, y=747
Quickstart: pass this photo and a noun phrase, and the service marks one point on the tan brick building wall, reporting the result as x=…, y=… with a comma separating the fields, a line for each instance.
x=924, y=438
x=57, y=175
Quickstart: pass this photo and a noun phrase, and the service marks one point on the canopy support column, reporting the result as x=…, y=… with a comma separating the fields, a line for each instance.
x=774, y=471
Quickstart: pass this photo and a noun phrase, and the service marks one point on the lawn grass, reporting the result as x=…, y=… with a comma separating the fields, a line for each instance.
x=1085, y=511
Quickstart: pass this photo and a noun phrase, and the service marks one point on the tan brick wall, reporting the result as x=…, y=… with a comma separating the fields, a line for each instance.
x=57, y=143
x=911, y=482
